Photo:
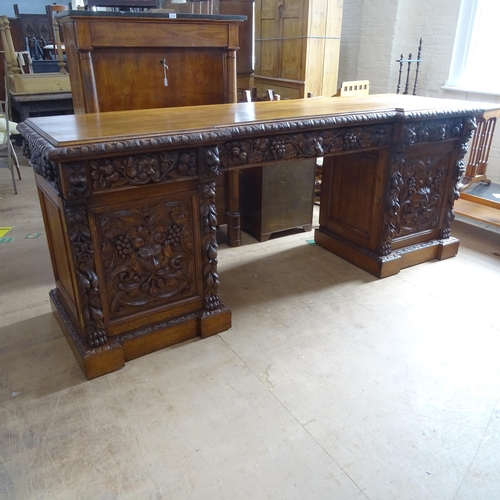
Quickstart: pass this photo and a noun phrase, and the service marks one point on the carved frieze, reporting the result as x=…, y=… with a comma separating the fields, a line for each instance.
x=431, y=131
x=147, y=254
x=88, y=282
x=304, y=145
x=138, y=170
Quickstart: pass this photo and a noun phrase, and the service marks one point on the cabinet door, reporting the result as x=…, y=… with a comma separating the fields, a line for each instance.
x=279, y=38
x=130, y=78
x=292, y=16
x=351, y=195
x=267, y=45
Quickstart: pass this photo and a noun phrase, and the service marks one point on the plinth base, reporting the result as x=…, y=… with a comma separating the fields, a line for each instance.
x=388, y=265
x=97, y=361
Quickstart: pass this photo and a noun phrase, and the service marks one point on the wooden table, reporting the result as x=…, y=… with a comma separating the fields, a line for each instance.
x=128, y=200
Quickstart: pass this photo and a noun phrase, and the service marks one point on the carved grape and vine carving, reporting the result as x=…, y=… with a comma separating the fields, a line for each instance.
x=138, y=170
x=393, y=204
x=88, y=282
x=147, y=256
x=421, y=195
x=44, y=167
x=304, y=145
x=470, y=125
x=431, y=131
x=25, y=148
x=412, y=200
x=209, y=246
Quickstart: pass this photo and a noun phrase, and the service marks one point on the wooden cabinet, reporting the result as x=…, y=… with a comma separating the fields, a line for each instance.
x=277, y=198
x=119, y=61
x=297, y=45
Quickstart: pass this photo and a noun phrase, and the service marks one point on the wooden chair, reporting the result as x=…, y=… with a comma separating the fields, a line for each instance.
x=480, y=151
x=410, y=62
x=355, y=88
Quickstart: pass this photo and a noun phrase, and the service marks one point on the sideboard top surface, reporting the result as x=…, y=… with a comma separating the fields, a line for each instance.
x=226, y=120
x=165, y=16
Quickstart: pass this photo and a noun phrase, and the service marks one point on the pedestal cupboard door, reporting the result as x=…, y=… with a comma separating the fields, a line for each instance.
x=351, y=196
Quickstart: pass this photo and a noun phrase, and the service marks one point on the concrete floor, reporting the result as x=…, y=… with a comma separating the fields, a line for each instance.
x=330, y=385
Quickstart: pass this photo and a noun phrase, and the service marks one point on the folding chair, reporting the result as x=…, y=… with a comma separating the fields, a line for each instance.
x=7, y=129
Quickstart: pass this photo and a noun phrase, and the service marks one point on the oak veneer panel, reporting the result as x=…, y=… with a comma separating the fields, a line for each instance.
x=58, y=247
x=144, y=33
x=350, y=211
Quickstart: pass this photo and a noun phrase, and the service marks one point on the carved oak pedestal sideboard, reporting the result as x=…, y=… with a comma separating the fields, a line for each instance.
x=128, y=200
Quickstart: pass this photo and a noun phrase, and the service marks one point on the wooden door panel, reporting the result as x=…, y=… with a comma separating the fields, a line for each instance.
x=293, y=22
x=267, y=49
x=354, y=180
x=147, y=258
x=425, y=187
x=134, y=79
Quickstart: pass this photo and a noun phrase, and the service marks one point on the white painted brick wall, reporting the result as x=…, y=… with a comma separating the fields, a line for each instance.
x=376, y=32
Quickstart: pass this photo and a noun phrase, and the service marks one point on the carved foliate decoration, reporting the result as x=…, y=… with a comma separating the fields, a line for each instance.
x=470, y=125
x=431, y=131
x=148, y=256
x=393, y=205
x=44, y=167
x=421, y=194
x=408, y=188
x=88, y=282
x=138, y=170
x=25, y=149
x=304, y=145
x=209, y=246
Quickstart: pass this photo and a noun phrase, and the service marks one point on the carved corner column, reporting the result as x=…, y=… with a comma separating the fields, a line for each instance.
x=216, y=317
x=76, y=301
x=469, y=126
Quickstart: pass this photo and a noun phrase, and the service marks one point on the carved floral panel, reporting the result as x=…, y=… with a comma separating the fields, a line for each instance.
x=147, y=254
x=422, y=194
